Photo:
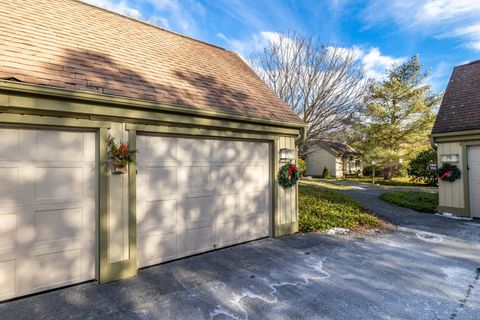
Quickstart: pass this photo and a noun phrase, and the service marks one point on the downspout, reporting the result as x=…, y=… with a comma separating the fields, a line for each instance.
x=302, y=136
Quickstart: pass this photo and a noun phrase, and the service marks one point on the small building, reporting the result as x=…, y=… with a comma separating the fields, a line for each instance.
x=206, y=130
x=339, y=158
x=457, y=135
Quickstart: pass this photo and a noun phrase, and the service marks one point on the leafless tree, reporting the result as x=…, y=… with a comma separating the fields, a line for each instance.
x=323, y=84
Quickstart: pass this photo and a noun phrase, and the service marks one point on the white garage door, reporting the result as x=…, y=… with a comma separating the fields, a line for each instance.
x=47, y=209
x=474, y=179
x=195, y=195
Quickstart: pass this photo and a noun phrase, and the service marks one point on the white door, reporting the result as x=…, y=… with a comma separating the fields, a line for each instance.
x=195, y=195
x=474, y=180
x=47, y=209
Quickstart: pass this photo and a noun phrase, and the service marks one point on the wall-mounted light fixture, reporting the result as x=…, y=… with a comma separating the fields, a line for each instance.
x=287, y=154
x=449, y=158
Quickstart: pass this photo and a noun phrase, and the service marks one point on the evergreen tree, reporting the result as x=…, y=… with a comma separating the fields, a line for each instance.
x=398, y=115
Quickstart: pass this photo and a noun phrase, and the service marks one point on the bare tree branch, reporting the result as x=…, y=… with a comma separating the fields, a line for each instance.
x=324, y=85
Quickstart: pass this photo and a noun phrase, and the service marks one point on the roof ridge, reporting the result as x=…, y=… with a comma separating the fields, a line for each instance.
x=469, y=63
x=150, y=24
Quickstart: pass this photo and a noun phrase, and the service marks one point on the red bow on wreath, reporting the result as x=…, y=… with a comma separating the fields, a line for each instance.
x=446, y=173
x=291, y=171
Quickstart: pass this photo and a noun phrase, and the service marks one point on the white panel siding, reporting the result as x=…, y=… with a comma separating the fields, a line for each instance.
x=318, y=160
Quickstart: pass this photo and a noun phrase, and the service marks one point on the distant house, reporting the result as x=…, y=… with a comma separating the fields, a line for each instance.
x=339, y=158
x=457, y=135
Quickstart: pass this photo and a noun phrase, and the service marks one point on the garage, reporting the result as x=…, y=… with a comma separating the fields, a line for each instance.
x=195, y=195
x=130, y=147
x=47, y=209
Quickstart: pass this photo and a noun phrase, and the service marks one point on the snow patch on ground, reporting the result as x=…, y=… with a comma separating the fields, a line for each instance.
x=429, y=237
x=338, y=231
x=296, y=275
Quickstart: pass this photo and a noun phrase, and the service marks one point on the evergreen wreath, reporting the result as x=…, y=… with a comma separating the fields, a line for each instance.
x=288, y=175
x=449, y=172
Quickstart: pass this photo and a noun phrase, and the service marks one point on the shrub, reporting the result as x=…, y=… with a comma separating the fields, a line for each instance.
x=368, y=169
x=325, y=173
x=419, y=169
x=302, y=167
x=321, y=209
x=416, y=200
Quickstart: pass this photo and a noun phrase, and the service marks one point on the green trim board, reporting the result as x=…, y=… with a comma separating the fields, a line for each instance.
x=18, y=119
x=60, y=108
x=103, y=203
x=104, y=99
x=457, y=211
x=198, y=132
x=456, y=133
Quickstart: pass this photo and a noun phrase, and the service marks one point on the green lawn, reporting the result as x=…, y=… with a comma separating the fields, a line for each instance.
x=399, y=181
x=416, y=200
x=327, y=184
x=321, y=209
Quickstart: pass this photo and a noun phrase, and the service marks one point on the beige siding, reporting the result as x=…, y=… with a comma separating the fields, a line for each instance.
x=286, y=202
x=318, y=160
x=451, y=194
x=338, y=173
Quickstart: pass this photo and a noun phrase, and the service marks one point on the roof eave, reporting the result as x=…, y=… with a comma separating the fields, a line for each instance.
x=100, y=98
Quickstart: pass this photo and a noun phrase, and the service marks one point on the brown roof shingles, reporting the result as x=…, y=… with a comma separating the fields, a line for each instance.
x=460, y=108
x=77, y=46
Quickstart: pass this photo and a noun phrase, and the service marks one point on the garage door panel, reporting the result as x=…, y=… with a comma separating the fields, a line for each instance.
x=57, y=268
x=157, y=247
x=196, y=209
x=57, y=145
x=156, y=213
x=7, y=278
x=157, y=179
x=225, y=206
x=197, y=239
x=189, y=150
x=8, y=184
x=157, y=149
x=47, y=215
x=9, y=144
x=58, y=224
x=8, y=230
x=196, y=177
x=226, y=151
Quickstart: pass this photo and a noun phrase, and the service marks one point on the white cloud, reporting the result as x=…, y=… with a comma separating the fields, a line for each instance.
x=375, y=63
x=121, y=7
x=440, y=18
x=255, y=42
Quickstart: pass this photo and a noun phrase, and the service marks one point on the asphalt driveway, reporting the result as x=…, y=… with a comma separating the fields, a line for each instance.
x=429, y=268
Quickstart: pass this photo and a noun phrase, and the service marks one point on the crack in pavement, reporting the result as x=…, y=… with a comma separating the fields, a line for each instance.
x=464, y=301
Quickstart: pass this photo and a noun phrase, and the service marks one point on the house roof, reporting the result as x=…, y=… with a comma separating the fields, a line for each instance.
x=77, y=46
x=339, y=148
x=460, y=108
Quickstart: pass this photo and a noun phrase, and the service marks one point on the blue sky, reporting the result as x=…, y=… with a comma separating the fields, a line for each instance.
x=444, y=33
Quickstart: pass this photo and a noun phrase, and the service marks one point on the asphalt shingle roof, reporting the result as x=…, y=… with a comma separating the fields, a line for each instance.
x=339, y=148
x=460, y=108
x=72, y=45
